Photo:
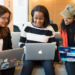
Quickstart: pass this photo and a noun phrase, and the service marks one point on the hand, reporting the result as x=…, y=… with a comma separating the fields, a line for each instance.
x=55, y=48
x=61, y=62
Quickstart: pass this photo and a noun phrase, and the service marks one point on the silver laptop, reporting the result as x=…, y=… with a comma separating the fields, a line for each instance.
x=10, y=58
x=40, y=51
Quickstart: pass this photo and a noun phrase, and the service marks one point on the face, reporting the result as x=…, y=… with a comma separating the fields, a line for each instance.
x=4, y=19
x=68, y=20
x=38, y=19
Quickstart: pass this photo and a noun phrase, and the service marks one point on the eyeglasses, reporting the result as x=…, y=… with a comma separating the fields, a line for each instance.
x=5, y=18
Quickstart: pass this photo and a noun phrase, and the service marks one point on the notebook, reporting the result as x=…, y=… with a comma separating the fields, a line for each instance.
x=10, y=58
x=67, y=53
x=40, y=51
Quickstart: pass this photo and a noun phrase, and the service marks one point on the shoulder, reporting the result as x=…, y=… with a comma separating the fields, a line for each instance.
x=9, y=32
x=27, y=24
x=49, y=27
x=8, y=29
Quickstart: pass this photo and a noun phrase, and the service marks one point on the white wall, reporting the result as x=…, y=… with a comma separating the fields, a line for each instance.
x=1, y=2
x=19, y=12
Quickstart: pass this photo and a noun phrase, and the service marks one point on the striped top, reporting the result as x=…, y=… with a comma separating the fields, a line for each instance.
x=33, y=34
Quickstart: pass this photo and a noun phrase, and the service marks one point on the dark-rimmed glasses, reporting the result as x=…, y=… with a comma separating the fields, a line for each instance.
x=5, y=18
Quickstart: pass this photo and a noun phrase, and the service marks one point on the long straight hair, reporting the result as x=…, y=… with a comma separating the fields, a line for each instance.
x=4, y=30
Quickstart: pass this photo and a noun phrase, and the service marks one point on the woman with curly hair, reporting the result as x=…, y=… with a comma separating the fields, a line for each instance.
x=68, y=33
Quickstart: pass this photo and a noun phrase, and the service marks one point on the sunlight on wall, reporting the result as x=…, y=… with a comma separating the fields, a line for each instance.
x=73, y=0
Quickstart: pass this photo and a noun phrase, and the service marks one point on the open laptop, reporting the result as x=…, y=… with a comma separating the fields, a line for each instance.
x=10, y=58
x=40, y=51
x=67, y=53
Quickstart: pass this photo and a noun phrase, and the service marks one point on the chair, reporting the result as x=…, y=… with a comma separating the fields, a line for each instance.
x=55, y=27
x=16, y=28
x=51, y=21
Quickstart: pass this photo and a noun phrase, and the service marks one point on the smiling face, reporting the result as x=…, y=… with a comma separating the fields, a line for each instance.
x=68, y=20
x=4, y=19
x=38, y=18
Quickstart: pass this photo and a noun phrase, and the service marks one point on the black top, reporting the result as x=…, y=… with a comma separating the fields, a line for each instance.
x=7, y=44
x=70, y=33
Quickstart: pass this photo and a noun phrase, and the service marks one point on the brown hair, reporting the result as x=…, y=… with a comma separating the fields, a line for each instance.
x=4, y=30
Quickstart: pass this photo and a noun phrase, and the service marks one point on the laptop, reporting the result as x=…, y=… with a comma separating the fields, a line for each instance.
x=40, y=51
x=67, y=53
x=10, y=58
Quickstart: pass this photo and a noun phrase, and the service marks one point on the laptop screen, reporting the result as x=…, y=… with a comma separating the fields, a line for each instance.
x=67, y=53
x=40, y=51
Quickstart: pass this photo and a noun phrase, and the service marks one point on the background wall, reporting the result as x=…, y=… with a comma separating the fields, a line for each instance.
x=19, y=9
x=9, y=5
x=54, y=7
x=1, y=2
x=20, y=12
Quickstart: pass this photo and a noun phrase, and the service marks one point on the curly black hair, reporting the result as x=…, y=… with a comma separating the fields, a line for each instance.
x=42, y=9
x=63, y=26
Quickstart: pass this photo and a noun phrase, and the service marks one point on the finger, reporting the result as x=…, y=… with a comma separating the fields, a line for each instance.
x=63, y=63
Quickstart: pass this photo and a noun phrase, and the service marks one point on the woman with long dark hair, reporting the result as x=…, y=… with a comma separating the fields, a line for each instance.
x=68, y=33
x=5, y=37
x=37, y=31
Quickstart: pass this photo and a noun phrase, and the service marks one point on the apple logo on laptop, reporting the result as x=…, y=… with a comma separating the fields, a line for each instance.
x=40, y=51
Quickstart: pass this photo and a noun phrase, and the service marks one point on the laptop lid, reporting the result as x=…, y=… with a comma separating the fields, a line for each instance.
x=40, y=51
x=10, y=58
x=67, y=53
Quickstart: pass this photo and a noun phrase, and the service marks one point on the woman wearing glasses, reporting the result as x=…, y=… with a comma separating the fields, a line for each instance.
x=5, y=37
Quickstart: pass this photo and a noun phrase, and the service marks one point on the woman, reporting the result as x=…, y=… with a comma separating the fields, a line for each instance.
x=37, y=31
x=5, y=37
x=68, y=33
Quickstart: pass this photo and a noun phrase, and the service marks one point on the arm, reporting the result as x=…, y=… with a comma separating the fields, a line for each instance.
x=52, y=36
x=22, y=38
